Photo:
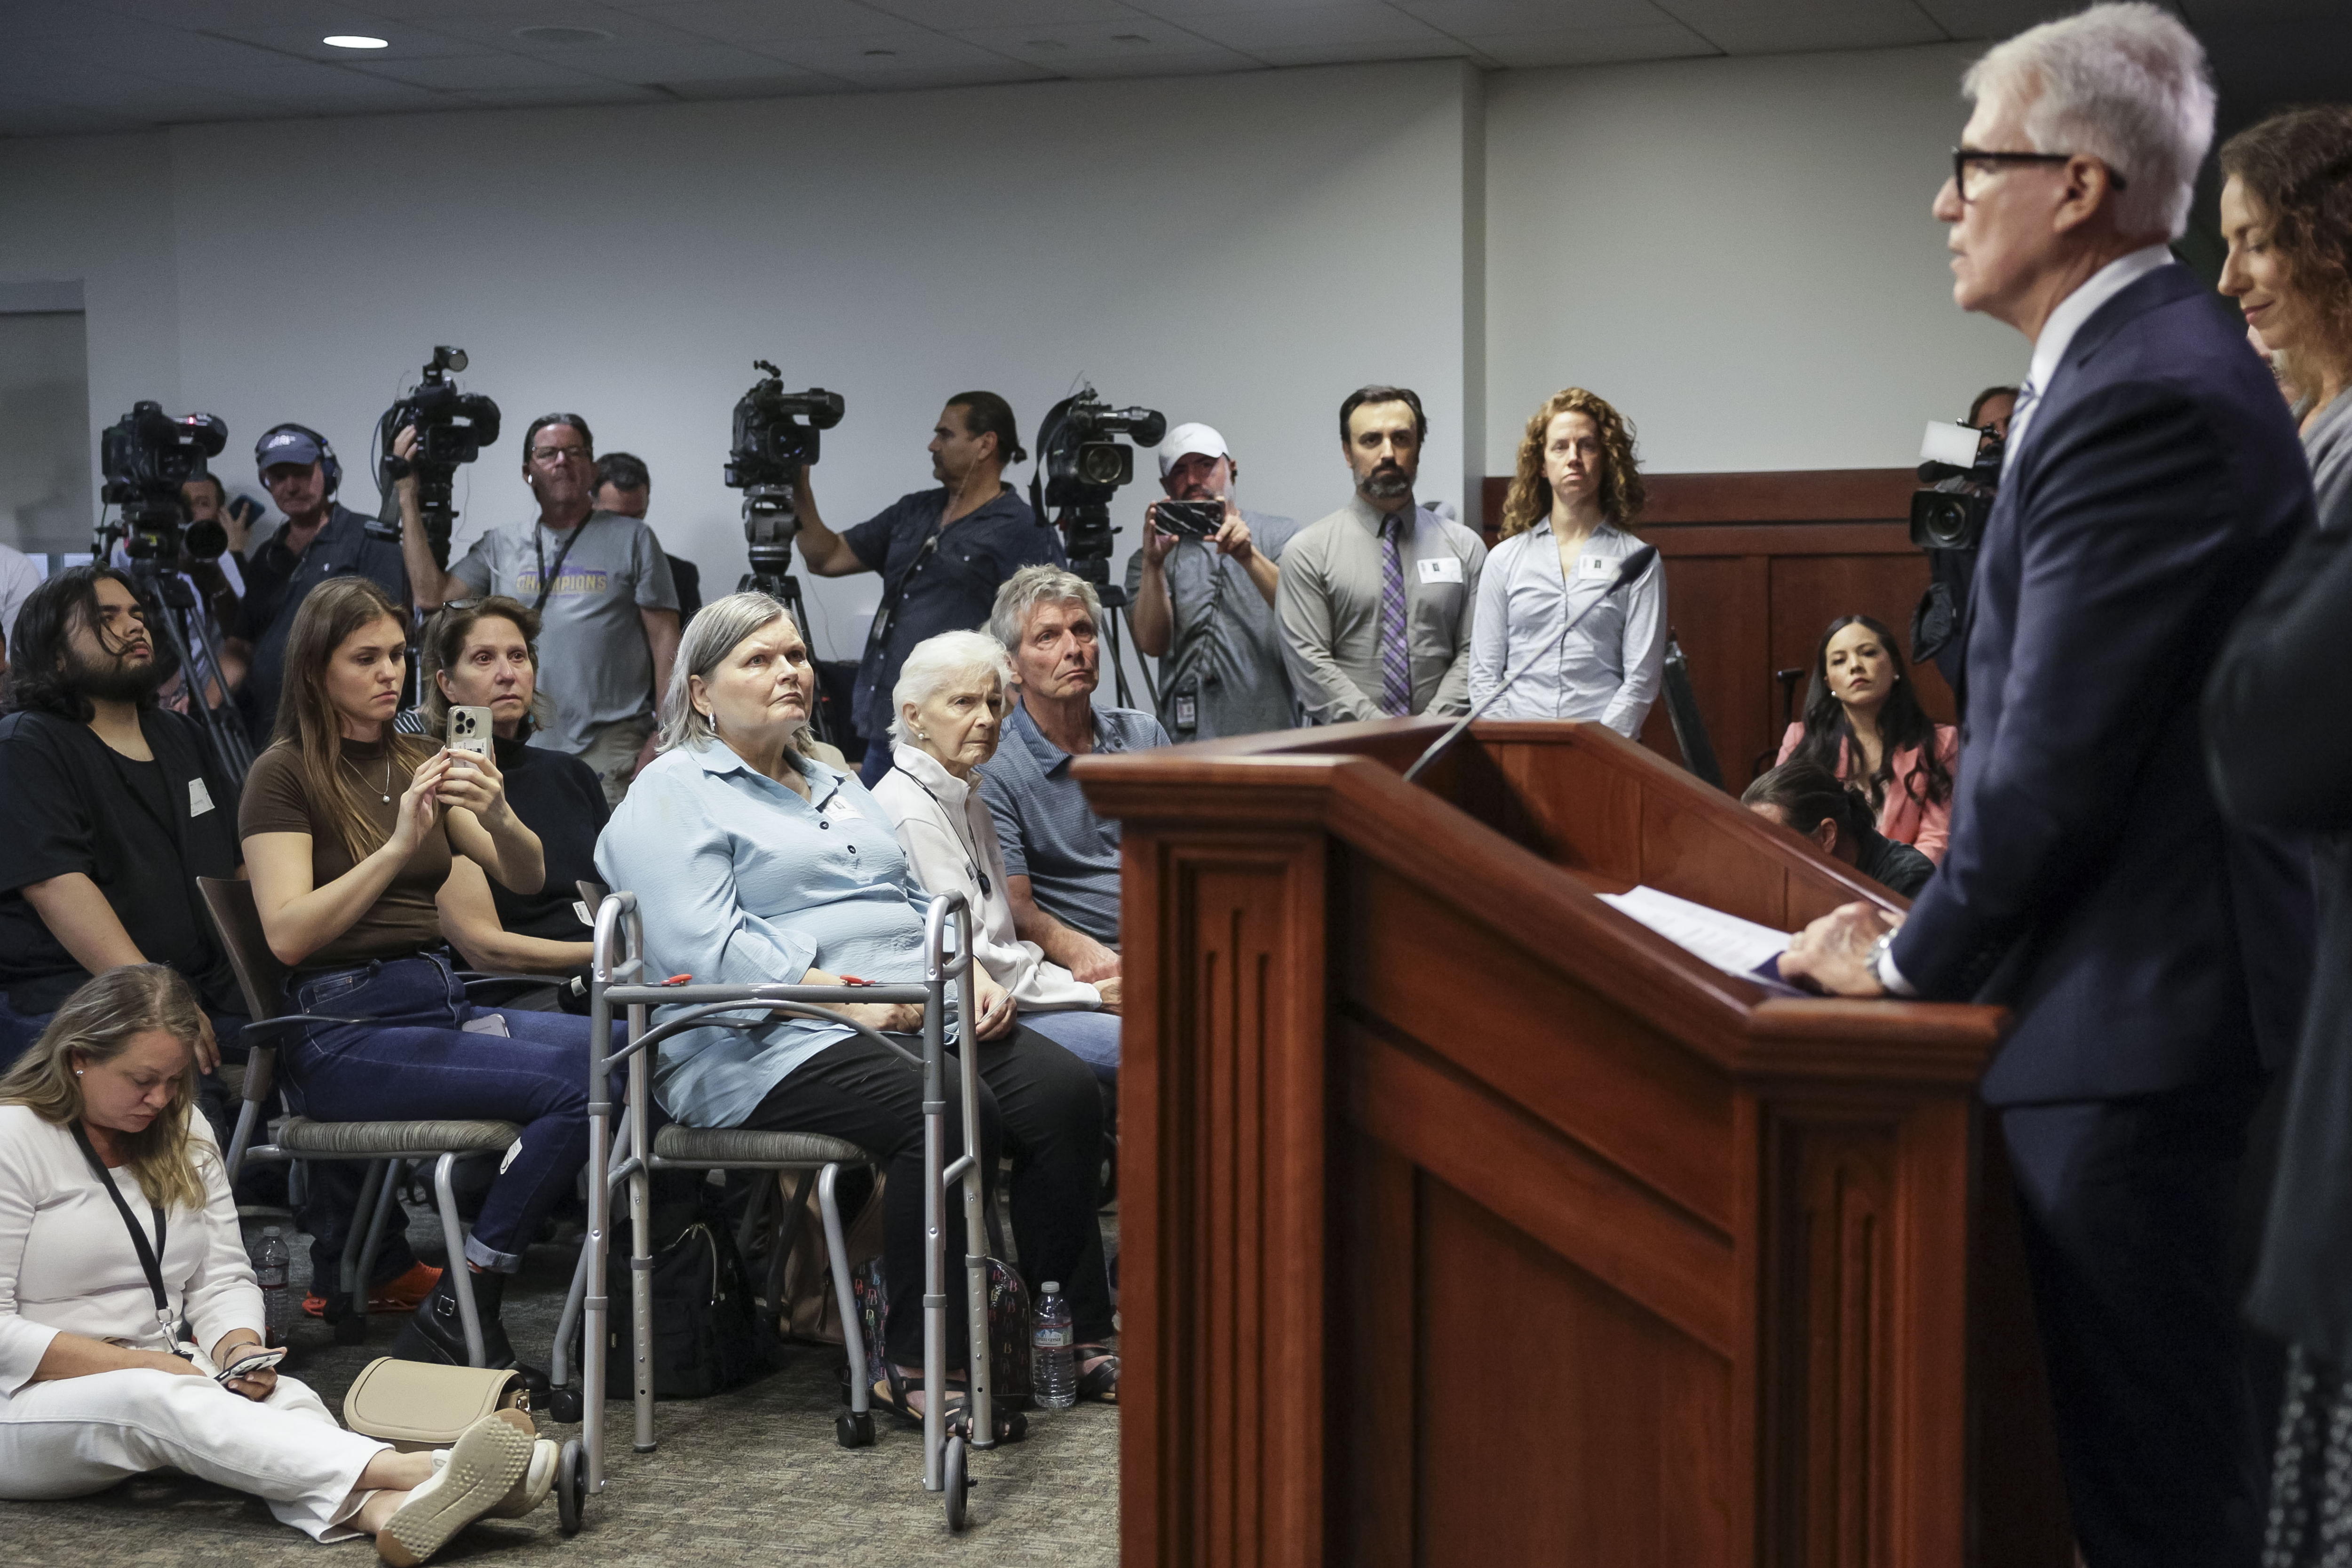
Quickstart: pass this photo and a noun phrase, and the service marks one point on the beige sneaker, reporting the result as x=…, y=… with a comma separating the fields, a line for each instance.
x=477, y=1475
x=531, y=1491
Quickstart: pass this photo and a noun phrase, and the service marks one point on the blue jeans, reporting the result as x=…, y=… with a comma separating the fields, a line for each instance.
x=411, y=1060
x=1091, y=1036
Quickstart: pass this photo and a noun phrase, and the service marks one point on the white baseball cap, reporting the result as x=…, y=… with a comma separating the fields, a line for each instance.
x=1186, y=439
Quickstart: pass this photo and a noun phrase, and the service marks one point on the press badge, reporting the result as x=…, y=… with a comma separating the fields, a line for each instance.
x=1188, y=713
x=200, y=799
x=1590, y=568
x=1441, y=569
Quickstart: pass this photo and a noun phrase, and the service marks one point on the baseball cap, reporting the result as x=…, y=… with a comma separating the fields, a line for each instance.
x=1186, y=439
x=284, y=446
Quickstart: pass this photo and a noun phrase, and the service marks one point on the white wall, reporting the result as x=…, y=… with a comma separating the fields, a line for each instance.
x=1239, y=249
x=1736, y=253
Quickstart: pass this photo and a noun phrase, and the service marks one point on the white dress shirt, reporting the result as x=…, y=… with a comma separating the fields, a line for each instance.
x=2058, y=332
x=1610, y=669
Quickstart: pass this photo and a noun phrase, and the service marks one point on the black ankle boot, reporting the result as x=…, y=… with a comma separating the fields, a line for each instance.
x=437, y=1331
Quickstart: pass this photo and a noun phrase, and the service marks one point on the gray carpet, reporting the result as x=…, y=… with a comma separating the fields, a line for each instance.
x=751, y=1476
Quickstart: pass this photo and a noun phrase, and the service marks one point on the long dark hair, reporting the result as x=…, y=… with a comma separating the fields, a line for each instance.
x=307, y=720
x=1830, y=738
x=39, y=643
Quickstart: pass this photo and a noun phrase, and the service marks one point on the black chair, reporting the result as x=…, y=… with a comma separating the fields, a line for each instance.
x=384, y=1147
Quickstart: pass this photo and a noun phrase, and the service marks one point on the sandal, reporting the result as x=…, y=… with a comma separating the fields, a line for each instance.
x=1100, y=1381
x=955, y=1416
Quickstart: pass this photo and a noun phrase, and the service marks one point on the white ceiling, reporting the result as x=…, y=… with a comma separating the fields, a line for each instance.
x=72, y=66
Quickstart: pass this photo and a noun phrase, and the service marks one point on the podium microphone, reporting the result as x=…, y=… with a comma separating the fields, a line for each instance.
x=1633, y=566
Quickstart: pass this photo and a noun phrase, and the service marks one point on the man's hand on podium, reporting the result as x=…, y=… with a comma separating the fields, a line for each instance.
x=1834, y=952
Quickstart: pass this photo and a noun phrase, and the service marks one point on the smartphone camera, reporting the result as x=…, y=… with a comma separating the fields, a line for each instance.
x=1190, y=519
x=469, y=731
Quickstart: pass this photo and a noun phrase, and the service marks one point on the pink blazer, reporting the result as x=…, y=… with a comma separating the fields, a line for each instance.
x=1902, y=818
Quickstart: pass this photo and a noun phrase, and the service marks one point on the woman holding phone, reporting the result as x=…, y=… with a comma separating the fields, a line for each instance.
x=352, y=835
x=129, y=1322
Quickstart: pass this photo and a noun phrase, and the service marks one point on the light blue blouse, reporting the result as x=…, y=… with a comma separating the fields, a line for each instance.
x=1611, y=668
x=740, y=882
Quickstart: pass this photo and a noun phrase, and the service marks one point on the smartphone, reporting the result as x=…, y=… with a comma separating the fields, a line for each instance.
x=469, y=731
x=246, y=1366
x=1190, y=519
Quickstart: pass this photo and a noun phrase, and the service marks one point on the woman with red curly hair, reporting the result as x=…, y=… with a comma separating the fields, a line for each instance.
x=1566, y=526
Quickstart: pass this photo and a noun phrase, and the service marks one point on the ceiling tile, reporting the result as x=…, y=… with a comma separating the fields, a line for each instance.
x=1259, y=27
x=898, y=53
x=502, y=27
x=979, y=16
x=759, y=22
x=1745, y=28
x=1349, y=53
x=586, y=94
x=1593, y=46
x=476, y=73
x=678, y=63
x=800, y=84
x=1467, y=18
x=1199, y=61
x=1056, y=44
x=24, y=116
x=1992, y=18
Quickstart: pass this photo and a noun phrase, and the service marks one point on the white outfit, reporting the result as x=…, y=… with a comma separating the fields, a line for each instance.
x=949, y=836
x=66, y=1266
x=1610, y=668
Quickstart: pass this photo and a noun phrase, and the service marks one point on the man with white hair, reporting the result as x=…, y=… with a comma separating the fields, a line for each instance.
x=1061, y=861
x=1203, y=606
x=2153, y=958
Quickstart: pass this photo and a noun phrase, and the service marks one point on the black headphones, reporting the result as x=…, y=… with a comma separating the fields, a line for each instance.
x=327, y=458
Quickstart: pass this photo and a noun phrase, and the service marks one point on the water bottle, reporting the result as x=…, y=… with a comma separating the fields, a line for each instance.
x=1054, y=1368
x=271, y=1265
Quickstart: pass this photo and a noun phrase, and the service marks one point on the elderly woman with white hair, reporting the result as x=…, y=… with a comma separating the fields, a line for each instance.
x=951, y=703
x=755, y=862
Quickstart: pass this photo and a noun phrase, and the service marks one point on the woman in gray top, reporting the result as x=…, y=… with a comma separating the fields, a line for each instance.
x=1565, y=528
x=2279, y=740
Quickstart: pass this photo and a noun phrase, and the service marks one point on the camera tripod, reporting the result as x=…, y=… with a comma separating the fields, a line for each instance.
x=770, y=526
x=185, y=627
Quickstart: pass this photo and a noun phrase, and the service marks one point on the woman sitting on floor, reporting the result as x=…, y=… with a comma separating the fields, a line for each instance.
x=125, y=1295
x=754, y=863
x=952, y=697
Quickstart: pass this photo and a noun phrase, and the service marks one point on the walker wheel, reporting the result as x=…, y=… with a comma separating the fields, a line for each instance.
x=571, y=1486
x=957, y=1485
x=853, y=1429
x=564, y=1404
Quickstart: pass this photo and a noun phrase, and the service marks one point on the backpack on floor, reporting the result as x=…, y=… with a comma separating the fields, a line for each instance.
x=705, y=1337
x=1008, y=1327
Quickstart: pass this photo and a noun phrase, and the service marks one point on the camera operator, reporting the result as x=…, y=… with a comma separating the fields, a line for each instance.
x=320, y=537
x=1204, y=607
x=598, y=580
x=624, y=487
x=932, y=582
x=208, y=501
x=1943, y=608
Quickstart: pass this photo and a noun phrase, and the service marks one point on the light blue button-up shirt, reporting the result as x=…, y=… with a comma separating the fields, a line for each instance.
x=740, y=882
x=1610, y=668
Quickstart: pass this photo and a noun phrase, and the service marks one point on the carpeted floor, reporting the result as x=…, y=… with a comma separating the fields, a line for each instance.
x=749, y=1477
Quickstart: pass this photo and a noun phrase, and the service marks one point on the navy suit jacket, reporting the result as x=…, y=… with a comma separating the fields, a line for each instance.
x=2090, y=883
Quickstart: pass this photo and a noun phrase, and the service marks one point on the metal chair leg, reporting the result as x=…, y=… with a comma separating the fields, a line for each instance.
x=361, y=1212
x=362, y=1273
x=453, y=1237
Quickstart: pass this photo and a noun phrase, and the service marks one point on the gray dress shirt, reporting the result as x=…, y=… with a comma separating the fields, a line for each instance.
x=1329, y=605
x=1225, y=650
x=1610, y=669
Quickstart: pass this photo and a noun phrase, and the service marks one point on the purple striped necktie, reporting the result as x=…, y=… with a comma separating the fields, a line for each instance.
x=1396, y=665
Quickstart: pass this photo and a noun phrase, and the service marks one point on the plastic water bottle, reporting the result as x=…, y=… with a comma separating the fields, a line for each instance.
x=271, y=1266
x=1054, y=1367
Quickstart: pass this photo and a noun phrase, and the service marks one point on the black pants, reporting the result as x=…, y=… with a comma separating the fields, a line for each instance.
x=2129, y=1209
x=1035, y=1099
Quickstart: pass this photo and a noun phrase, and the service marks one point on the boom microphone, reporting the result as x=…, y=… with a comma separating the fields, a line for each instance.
x=1633, y=566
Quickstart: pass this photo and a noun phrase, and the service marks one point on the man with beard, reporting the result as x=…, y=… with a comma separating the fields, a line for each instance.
x=1204, y=607
x=1376, y=599
x=597, y=580
x=113, y=806
x=941, y=554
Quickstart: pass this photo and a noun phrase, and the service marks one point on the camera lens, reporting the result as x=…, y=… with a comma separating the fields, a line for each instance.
x=1101, y=463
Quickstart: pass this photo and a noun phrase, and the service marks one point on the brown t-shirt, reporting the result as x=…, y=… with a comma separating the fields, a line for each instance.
x=404, y=920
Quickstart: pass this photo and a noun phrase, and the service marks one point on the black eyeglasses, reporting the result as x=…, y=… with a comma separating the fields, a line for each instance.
x=1964, y=158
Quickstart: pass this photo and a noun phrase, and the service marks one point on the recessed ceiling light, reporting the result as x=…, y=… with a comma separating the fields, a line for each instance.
x=552, y=35
x=353, y=41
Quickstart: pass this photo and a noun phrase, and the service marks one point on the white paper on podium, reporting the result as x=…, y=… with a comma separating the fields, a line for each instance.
x=1730, y=943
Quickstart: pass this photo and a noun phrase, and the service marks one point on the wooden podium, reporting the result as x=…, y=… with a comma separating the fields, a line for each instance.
x=1465, y=1220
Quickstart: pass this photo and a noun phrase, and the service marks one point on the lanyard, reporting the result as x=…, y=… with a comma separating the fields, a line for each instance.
x=986, y=890
x=147, y=1255
x=538, y=553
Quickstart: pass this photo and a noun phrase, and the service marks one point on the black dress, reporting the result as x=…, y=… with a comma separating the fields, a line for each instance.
x=2278, y=725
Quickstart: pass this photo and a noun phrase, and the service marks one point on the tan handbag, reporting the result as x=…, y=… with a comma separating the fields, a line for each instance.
x=809, y=1311
x=415, y=1405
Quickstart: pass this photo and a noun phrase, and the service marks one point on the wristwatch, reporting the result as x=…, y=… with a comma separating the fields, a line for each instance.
x=1878, y=965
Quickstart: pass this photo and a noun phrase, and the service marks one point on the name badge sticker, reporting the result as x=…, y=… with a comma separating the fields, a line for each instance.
x=200, y=799
x=1441, y=569
x=1592, y=568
